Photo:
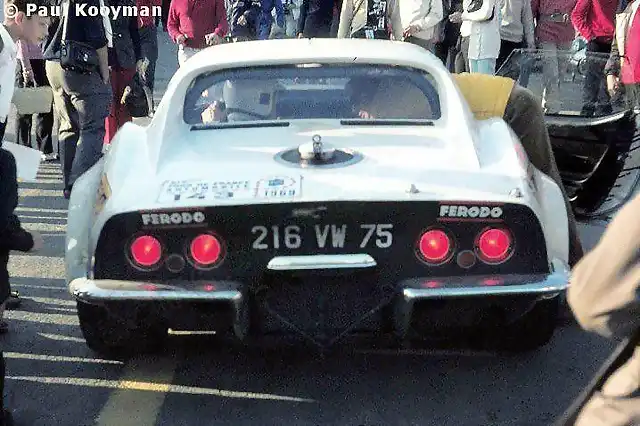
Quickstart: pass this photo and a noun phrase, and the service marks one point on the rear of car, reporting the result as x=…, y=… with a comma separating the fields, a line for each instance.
x=348, y=248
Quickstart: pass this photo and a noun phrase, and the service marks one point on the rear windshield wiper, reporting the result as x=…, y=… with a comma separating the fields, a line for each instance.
x=240, y=125
x=383, y=122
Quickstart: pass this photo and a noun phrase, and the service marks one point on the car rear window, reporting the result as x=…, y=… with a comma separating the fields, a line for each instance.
x=312, y=91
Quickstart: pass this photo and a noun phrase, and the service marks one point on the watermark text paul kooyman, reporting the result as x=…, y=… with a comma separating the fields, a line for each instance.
x=82, y=9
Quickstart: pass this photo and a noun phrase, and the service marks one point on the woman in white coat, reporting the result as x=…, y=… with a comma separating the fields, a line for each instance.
x=481, y=22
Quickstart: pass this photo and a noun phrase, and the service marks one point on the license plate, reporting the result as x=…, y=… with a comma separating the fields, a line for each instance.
x=322, y=236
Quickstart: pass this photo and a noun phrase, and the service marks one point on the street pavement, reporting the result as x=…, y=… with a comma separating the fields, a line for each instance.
x=54, y=379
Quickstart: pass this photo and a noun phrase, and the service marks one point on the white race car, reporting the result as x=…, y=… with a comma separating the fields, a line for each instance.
x=322, y=189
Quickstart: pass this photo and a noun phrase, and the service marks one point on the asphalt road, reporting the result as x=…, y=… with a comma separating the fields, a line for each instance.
x=54, y=379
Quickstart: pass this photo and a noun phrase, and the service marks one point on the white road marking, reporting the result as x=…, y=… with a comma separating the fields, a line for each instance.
x=37, y=267
x=58, y=358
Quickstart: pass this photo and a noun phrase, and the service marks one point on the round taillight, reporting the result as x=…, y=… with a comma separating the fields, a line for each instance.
x=146, y=251
x=206, y=250
x=435, y=246
x=494, y=245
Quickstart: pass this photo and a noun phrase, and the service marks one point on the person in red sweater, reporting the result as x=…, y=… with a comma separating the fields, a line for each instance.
x=623, y=67
x=196, y=24
x=594, y=20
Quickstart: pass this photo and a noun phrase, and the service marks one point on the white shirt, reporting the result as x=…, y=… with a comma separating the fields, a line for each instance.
x=484, y=36
x=426, y=14
x=8, y=63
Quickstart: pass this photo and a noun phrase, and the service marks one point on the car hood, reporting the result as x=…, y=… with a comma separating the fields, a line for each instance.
x=245, y=166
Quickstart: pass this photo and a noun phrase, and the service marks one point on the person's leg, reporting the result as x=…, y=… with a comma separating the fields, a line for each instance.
x=525, y=116
x=91, y=99
x=44, y=121
x=23, y=122
x=595, y=95
x=68, y=128
x=149, y=50
x=486, y=66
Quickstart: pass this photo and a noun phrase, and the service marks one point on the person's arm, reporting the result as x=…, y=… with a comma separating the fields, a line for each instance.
x=528, y=24
x=135, y=38
x=604, y=293
x=173, y=23
x=535, y=9
x=302, y=19
x=396, y=22
x=221, y=15
x=483, y=14
x=434, y=15
x=12, y=236
x=95, y=36
x=580, y=19
x=613, y=63
x=346, y=19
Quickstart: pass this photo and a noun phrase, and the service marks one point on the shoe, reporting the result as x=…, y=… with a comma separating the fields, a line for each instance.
x=14, y=301
x=50, y=157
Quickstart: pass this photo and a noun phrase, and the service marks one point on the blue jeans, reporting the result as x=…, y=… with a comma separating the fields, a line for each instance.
x=482, y=66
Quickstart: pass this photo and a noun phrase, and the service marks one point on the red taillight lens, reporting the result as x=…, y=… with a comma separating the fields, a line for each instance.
x=494, y=245
x=435, y=246
x=206, y=250
x=146, y=251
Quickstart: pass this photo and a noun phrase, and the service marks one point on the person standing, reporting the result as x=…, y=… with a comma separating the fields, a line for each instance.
x=245, y=19
x=148, y=34
x=31, y=29
x=554, y=34
x=449, y=34
x=604, y=295
x=516, y=28
x=316, y=17
x=196, y=24
x=481, y=21
x=594, y=20
x=81, y=95
x=420, y=21
x=623, y=66
x=370, y=19
x=266, y=18
x=123, y=58
x=31, y=72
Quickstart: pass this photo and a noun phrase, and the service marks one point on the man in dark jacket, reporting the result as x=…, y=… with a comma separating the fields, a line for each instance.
x=245, y=19
x=80, y=99
x=316, y=17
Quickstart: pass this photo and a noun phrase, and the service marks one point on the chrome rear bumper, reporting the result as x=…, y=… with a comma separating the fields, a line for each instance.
x=407, y=292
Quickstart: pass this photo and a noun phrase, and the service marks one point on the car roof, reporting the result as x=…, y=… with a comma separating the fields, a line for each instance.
x=303, y=50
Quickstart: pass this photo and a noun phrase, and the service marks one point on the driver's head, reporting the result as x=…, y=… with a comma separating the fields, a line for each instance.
x=360, y=91
x=248, y=100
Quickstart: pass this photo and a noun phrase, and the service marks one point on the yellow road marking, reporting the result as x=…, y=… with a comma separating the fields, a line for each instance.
x=133, y=395
x=128, y=407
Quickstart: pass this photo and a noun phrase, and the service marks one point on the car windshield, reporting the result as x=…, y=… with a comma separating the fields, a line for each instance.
x=311, y=91
x=568, y=82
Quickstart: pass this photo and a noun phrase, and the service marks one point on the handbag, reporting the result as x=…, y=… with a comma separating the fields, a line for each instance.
x=33, y=100
x=476, y=5
x=137, y=98
x=75, y=55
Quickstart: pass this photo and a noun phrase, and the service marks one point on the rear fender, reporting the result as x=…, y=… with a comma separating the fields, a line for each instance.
x=80, y=217
x=555, y=221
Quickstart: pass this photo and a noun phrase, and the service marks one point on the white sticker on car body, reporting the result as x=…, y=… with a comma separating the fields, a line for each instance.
x=238, y=189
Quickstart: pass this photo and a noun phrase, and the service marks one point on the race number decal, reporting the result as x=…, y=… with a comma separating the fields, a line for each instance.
x=292, y=237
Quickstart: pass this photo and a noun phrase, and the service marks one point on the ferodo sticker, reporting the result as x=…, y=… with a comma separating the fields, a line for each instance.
x=173, y=218
x=475, y=212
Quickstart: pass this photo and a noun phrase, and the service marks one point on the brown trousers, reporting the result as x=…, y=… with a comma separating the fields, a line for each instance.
x=525, y=116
